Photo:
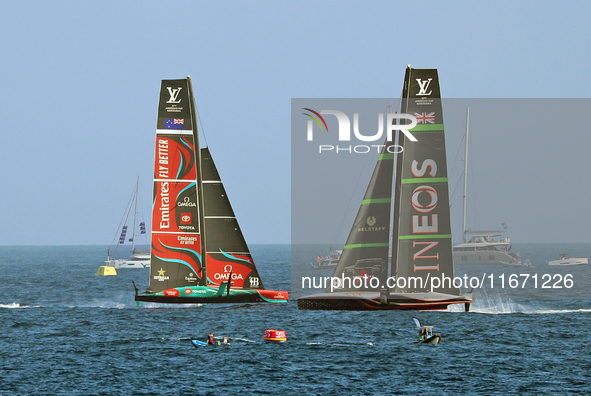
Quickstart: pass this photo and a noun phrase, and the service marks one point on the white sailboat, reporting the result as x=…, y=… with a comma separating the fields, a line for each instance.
x=484, y=246
x=138, y=259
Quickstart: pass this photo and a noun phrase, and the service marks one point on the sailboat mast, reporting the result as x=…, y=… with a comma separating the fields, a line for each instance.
x=466, y=173
x=398, y=179
x=137, y=186
x=199, y=183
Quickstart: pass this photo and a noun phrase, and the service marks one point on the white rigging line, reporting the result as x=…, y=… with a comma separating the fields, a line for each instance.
x=201, y=124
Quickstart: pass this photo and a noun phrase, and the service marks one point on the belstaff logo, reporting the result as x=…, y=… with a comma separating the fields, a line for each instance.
x=424, y=86
x=174, y=95
x=371, y=221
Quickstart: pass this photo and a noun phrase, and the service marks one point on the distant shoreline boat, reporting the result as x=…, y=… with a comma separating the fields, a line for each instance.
x=138, y=258
x=329, y=262
x=487, y=246
x=565, y=260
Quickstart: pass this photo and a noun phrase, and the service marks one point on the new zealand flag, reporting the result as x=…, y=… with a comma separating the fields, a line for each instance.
x=174, y=123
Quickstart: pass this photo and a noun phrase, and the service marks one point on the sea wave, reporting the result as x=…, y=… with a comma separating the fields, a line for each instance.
x=17, y=305
x=507, y=306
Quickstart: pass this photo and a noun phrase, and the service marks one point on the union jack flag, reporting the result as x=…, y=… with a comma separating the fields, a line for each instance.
x=425, y=118
x=174, y=123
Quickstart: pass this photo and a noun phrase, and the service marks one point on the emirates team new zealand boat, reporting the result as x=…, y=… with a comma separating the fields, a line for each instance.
x=419, y=275
x=198, y=253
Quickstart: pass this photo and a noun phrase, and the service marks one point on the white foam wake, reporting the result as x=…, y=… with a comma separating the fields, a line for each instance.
x=507, y=306
x=15, y=305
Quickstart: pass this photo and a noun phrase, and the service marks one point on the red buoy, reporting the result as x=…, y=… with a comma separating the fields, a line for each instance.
x=275, y=335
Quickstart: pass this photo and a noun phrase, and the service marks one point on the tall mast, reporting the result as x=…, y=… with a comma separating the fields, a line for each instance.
x=466, y=172
x=137, y=186
x=199, y=183
x=396, y=195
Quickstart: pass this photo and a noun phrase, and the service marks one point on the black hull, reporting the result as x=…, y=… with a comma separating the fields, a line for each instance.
x=212, y=295
x=434, y=340
x=404, y=302
x=203, y=300
x=364, y=305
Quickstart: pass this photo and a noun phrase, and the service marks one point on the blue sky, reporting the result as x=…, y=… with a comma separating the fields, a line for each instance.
x=80, y=83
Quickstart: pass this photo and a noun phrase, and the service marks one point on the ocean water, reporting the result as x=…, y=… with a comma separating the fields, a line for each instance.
x=66, y=331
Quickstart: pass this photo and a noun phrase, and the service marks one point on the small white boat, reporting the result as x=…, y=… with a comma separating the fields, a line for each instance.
x=137, y=260
x=430, y=338
x=526, y=263
x=426, y=335
x=329, y=262
x=565, y=259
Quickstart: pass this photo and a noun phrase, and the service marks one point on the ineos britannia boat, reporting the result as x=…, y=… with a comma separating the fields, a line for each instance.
x=419, y=223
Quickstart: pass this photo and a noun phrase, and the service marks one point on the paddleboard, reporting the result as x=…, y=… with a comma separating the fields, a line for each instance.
x=198, y=344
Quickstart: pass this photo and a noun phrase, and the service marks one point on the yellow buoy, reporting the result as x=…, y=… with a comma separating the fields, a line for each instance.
x=106, y=270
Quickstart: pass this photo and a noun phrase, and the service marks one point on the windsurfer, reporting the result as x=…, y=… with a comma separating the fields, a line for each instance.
x=210, y=338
